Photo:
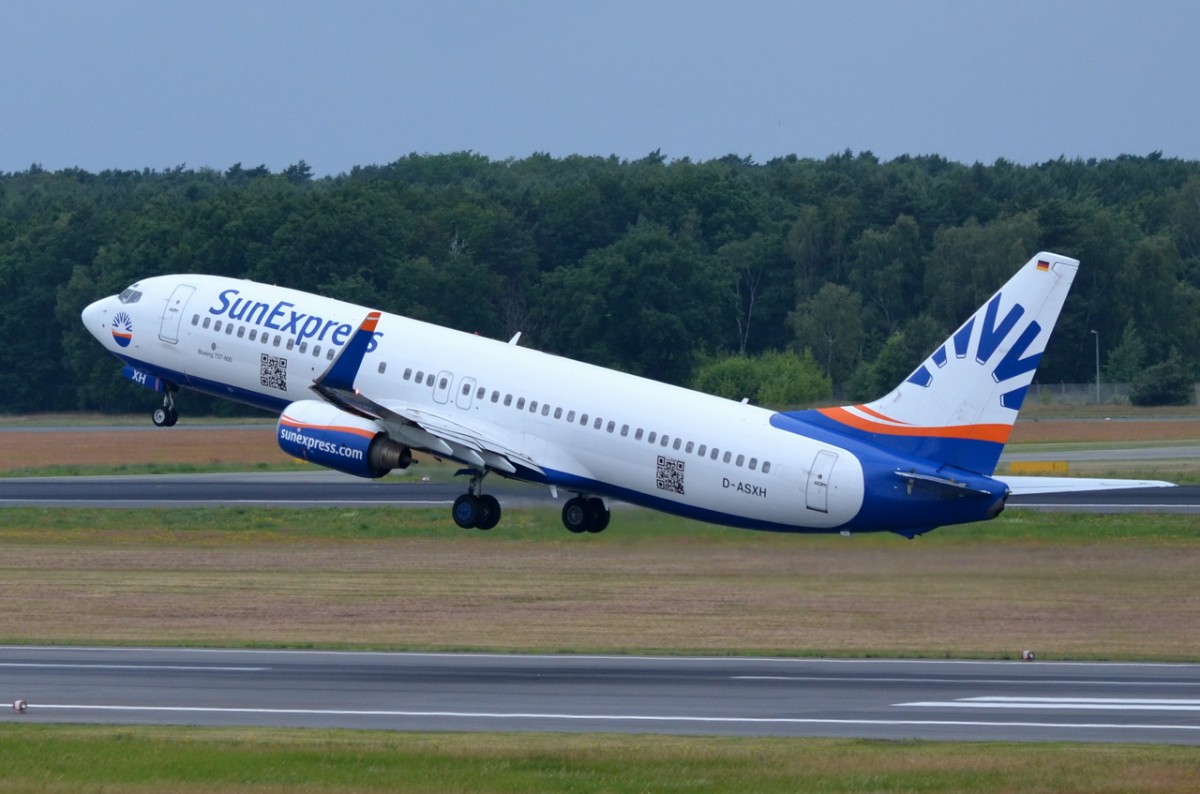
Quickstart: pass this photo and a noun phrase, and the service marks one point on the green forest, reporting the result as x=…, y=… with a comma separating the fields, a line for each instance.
x=791, y=281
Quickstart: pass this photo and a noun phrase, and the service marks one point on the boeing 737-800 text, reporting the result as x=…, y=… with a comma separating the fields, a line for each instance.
x=360, y=390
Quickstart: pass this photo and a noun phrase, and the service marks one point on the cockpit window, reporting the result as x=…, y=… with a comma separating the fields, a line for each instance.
x=130, y=296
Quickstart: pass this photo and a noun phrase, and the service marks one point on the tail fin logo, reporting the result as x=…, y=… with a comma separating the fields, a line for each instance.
x=1015, y=362
x=122, y=329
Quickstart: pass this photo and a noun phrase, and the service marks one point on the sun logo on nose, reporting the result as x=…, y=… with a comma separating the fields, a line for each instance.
x=122, y=329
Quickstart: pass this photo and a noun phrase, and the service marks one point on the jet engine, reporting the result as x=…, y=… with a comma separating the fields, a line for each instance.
x=328, y=436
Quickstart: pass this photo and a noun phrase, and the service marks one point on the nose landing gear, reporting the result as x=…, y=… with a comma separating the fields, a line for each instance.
x=166, y=416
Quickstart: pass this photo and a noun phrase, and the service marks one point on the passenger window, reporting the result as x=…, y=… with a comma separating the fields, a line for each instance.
x=278, y=339
x=291, y=344
x=508, y=399
x=678, y=441
x=480, y=393
x=533, y=406
x=429, y=379
x=702, y=450
x=650, y=438
x=662, y=442
x=304, y=347
x=611, y=426
x=495, y=396
x=570, y=416
x=583, y=419
x=740, y=460
x=195, y=319
x=408, y=373
x=624, y=431
x=753, y=464
x=420, y=377
x=217, y=325
x=558, y=413
x=597, y=423
x=466, y=389
x=689, y=447
x=316, y=350
x=443, y=383
x=728, y=456
x=520, y=403
x=637, y=436
x=715, y=452
x=546, y=409
x=329, y=354
x=241, y=331
x=253, y=334
x=766, y=466
x=207, y=322
x=382, y=366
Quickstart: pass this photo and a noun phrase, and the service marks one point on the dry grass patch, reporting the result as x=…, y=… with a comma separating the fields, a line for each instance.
x=691, y=590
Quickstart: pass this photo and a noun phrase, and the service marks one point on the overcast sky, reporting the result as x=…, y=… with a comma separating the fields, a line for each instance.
x=155, y=84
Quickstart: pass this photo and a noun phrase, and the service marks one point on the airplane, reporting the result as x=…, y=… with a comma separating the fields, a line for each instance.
x=360, y=391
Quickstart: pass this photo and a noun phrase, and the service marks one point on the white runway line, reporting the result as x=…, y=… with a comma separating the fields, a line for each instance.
x=519, y=716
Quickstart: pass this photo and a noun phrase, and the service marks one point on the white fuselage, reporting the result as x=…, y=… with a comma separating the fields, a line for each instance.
x=642, y=441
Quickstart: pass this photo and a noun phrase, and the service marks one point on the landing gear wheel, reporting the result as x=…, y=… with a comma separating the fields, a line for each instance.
x=598, y=515
x=164, y=417
x=489, y=509
x=575, y=515
x=467, y=511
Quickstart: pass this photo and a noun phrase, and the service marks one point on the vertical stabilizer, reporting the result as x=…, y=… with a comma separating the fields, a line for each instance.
x=959, y=406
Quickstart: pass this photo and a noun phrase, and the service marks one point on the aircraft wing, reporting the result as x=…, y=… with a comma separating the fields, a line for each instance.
x=491, y=448
x=1040, y=485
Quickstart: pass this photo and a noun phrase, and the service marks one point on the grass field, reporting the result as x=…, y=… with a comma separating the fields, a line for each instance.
x=1068, y=586
x=75, y=759
x=1094, y=587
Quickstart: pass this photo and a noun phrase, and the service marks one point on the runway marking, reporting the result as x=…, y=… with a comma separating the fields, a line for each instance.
x=484, y=715
x=100, y=666
x=964, y=681
x=1052, y=703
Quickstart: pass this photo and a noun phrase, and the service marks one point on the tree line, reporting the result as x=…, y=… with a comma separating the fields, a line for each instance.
x=787, y=281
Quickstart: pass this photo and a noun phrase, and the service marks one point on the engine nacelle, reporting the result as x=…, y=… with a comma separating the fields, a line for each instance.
x=322, y=434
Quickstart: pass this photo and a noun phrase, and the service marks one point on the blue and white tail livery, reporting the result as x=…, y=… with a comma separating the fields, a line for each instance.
x=360, y=391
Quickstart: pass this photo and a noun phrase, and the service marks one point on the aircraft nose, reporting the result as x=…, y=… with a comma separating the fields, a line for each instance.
x=96, y=317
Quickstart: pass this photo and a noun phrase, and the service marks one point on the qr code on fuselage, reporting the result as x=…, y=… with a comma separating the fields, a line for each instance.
x=670, y=475
x=273, y=372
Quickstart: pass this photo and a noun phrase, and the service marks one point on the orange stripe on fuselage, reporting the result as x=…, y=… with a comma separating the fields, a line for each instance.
x=878, y=415
x=298, y=425
x=995, y=433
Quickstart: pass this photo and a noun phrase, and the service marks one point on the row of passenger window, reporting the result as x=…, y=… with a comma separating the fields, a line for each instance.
x=233, y=329
x=663, y=440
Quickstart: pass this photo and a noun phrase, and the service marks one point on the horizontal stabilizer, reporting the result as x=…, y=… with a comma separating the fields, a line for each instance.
x=1040, y=485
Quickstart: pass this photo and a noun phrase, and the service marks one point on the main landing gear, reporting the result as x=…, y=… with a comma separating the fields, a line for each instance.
x=585, y=514
x=166, y=416
x=474, y=509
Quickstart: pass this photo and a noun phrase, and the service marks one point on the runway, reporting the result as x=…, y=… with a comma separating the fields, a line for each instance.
x=886, y=699
x=313, y=488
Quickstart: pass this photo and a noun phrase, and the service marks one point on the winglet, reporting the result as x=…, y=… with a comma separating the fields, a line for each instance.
x=343, y=371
